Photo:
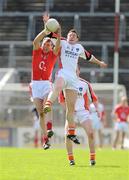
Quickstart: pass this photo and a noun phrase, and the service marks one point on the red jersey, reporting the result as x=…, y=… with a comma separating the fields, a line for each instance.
x=122, y=112
x=42, y=64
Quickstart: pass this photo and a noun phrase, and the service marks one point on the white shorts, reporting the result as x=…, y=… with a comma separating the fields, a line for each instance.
x=81, y=116
x=96, y=122
x=121, y=126
x=41, y=89
x=71, y=81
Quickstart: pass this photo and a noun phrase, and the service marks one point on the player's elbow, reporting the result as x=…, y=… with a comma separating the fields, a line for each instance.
x=34, y=42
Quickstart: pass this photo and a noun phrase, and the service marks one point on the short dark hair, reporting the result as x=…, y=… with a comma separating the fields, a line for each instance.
x=74, y=31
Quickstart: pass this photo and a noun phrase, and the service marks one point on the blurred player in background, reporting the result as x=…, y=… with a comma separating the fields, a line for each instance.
x=43, y=61
x=82, y=117
x=121, y=113
x=67, y=79
x=97, y=115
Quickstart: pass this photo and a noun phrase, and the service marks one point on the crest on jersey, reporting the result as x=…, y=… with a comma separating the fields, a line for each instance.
x=80, y=88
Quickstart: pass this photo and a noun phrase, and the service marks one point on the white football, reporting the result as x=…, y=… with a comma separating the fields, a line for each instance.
x=52, y=25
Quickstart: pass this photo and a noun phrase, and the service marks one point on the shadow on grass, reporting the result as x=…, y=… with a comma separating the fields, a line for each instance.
x=97, y=166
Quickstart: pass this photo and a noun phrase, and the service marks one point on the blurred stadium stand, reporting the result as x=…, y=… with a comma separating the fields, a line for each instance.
x=21, y=21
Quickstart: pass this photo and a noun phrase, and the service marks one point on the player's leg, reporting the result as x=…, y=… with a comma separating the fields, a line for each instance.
x=125, y=130
x=69, y=147
x=87, y=125
x=122, y=139
x=96, y=124
x=53, y=95
x=100, y=138
x=70, y=100
x=117, y=134
x=48, y=118
x=116, y=139
x=39, y=106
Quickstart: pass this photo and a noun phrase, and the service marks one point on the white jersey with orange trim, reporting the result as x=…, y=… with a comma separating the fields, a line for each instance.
x=69, y=56
x=85, y=94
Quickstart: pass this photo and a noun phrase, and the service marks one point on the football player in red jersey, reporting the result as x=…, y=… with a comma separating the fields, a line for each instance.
x=43, y=60
x=121, y=112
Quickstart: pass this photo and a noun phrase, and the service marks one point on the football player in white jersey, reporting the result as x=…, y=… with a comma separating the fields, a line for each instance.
x=82, y=117
x=67, y=79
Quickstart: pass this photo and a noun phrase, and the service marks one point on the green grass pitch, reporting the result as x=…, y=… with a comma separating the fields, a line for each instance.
x=37, y=164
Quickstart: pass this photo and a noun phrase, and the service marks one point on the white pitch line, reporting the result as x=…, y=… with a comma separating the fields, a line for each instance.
x=6, y=78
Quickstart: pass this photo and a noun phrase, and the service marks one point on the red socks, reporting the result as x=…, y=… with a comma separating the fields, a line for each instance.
x=49, y=125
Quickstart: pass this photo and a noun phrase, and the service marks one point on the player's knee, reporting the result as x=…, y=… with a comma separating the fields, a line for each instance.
x=91, y=135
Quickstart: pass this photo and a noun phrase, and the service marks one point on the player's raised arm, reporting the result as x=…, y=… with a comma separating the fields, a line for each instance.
x=39, y=38
x=58, y=44
x=91, y=58
x=94, y=60
x=42, y=34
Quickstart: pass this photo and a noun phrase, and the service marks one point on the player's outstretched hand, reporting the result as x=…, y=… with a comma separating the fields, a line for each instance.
x=45, y=17
x=103, y=64
x=46, y=31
